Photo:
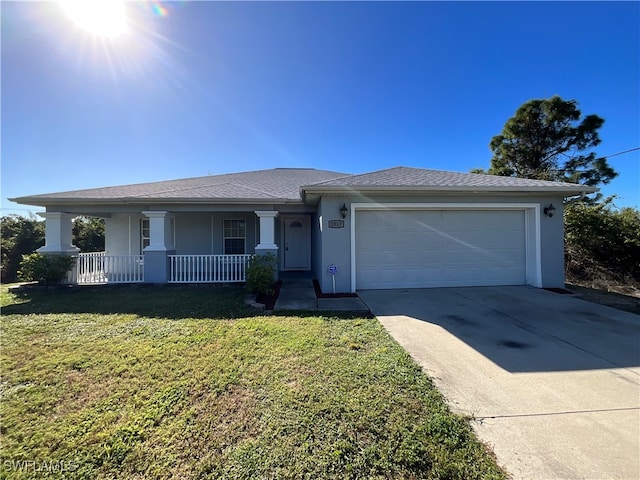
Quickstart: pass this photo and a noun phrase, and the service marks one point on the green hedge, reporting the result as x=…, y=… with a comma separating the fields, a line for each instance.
x=45, y=269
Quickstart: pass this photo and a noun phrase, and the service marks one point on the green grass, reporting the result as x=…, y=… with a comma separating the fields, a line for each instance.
x=183, y=382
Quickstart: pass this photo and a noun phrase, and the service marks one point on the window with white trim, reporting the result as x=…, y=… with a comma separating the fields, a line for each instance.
x=235, y=233
x=145, y=234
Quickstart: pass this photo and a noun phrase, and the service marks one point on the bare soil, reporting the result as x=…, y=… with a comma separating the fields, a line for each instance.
x=621, y=297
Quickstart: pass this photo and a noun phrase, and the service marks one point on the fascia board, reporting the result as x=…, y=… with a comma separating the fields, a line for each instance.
x=144, y=201
x=569, y=190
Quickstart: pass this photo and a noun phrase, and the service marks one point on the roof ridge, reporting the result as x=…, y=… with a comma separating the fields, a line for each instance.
x=379, y=171
x=356, y=175
x=331, y=180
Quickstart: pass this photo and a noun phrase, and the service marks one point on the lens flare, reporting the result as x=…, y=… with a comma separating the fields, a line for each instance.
x=100, y=17
x=159, y=10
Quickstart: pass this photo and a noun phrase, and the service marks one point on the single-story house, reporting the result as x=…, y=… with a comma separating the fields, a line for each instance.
x=395, y=228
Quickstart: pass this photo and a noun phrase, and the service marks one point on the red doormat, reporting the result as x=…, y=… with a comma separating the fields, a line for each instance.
x=319, y=293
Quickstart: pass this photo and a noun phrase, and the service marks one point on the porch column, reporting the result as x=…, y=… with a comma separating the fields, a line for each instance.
x=161, y=244
x=267, y=242
x=58, y=233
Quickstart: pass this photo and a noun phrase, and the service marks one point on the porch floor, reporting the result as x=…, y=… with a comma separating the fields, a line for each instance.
x=299, y=294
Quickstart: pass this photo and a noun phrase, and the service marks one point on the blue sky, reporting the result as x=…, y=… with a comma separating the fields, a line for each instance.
x=208, y=88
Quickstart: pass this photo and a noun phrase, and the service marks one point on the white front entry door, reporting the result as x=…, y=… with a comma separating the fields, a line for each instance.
x=297, y=242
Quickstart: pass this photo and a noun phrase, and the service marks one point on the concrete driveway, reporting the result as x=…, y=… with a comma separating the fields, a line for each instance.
x=552, y=381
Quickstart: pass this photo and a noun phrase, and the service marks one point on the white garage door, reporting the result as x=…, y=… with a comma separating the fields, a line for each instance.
x=440, y=248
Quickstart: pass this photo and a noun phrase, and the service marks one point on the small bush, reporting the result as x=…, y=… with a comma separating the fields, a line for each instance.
x=260, y=274
x=45, y=269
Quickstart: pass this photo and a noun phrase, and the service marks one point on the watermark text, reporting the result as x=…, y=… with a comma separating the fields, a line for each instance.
x=52, y=466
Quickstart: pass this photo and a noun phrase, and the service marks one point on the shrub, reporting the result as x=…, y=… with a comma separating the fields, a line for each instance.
x=260, y=274
x=45, y=269
x=602, y=243
x=19, y=236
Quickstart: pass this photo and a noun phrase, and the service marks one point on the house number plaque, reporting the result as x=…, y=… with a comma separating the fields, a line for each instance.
x=336, y=223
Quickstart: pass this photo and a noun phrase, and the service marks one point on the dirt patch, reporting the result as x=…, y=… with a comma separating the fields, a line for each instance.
x=605, y=281
x=627, y=303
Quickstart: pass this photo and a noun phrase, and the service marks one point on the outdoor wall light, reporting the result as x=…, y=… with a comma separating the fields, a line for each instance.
x=550, y=210
x=343, y=210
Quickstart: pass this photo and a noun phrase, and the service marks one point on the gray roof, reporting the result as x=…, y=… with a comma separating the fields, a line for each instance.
x=277, y=185
x=281, y=185
x=406, y=178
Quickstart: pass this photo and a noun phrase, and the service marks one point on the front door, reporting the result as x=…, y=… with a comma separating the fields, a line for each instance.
x=297, y=242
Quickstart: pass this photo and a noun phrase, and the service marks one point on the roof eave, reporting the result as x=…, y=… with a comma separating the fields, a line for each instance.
x=44, y=202
x=568, y=190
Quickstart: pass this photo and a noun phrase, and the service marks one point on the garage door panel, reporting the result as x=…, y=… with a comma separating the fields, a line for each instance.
x=370, y=241
x=374, y=259
x=384, y=277
x=482, y=256
x=427, y=248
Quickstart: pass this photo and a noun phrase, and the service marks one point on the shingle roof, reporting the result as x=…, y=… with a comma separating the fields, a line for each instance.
x=419, y=178
x=288, y=184
x=278, y=184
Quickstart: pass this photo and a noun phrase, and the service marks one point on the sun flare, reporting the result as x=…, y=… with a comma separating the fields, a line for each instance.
x=100, y=17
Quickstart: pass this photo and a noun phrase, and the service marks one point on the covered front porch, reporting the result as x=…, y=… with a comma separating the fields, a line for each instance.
x=162, y=246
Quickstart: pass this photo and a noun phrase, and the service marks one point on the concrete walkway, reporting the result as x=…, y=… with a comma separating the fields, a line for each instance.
x=553, y=382
x=300, y=295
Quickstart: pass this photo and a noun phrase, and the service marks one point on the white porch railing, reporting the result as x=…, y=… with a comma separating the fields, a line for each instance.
x=102, y=268
x=208, y=268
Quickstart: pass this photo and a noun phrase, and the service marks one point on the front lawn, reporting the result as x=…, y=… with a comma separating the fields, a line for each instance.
x=184, y=382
